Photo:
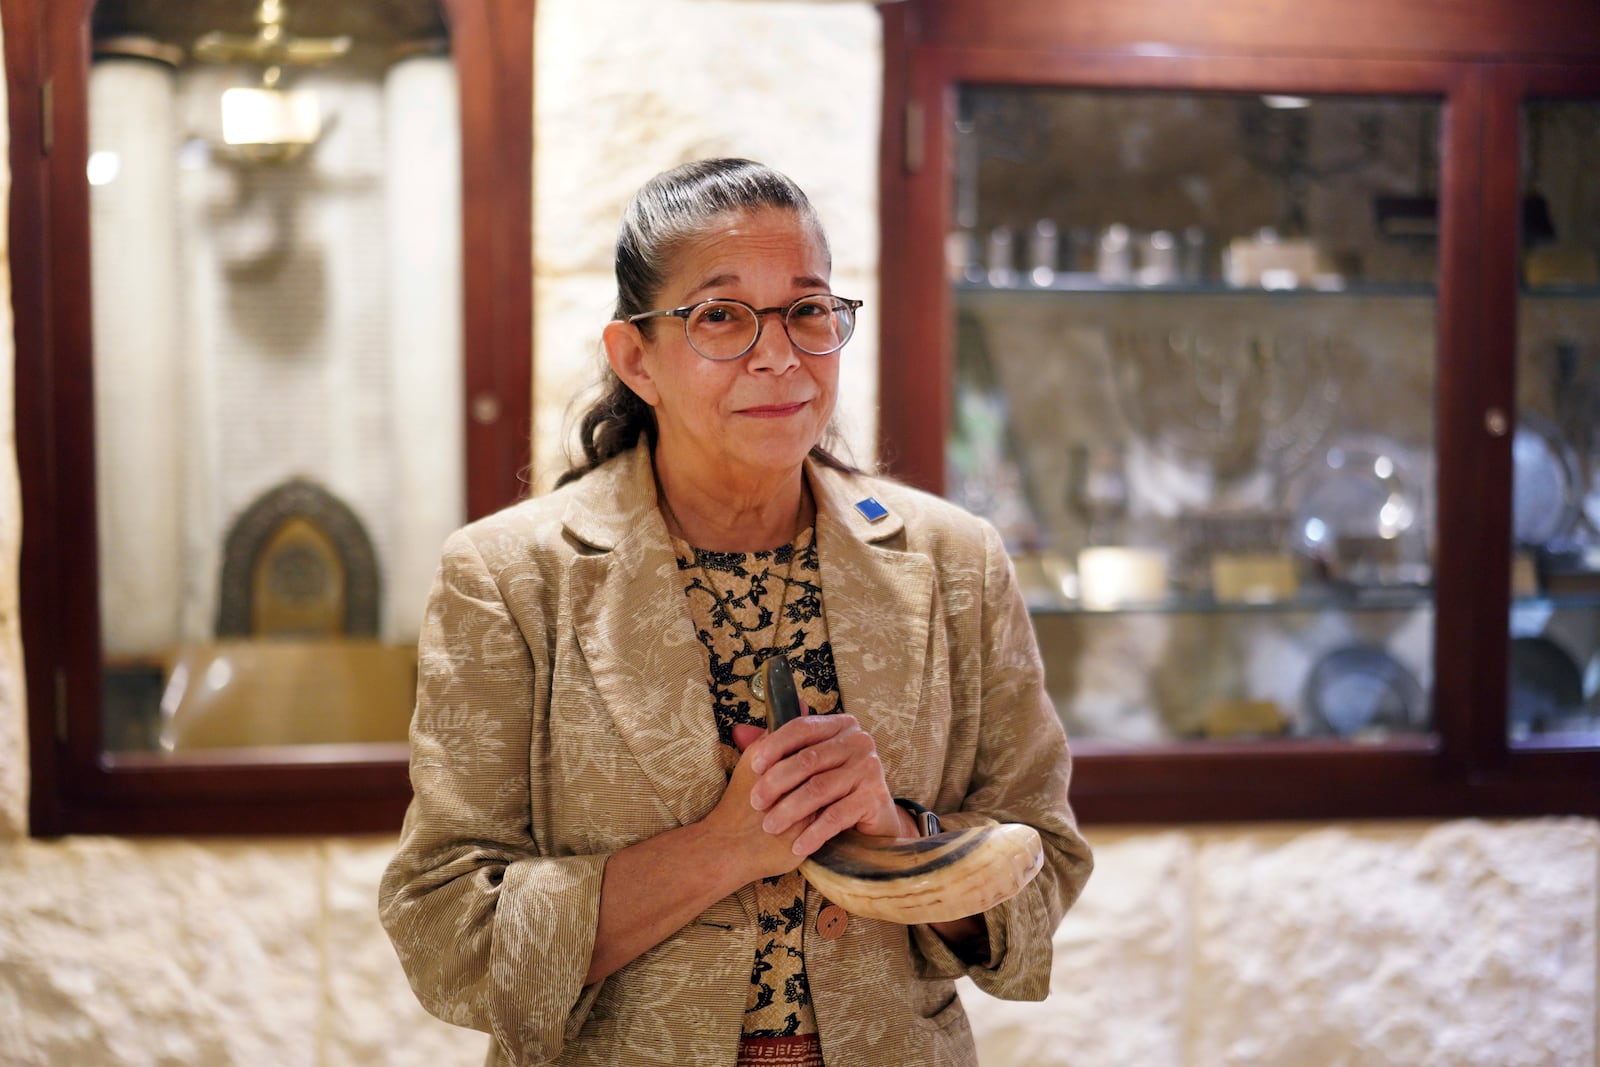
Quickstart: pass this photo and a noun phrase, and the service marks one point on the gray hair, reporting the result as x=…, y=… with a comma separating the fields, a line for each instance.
x=683, y=203
x=669, y=210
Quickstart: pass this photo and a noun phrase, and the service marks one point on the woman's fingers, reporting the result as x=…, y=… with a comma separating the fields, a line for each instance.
x=802, y=732
x=800, y=749
x=821, y=775
x=849, y=810
x=745, y=736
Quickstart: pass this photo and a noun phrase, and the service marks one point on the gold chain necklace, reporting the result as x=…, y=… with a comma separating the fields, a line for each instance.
x=758, y=687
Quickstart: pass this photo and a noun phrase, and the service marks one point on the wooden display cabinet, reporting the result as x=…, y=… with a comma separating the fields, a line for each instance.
x=1247, y=330
x=91, y=771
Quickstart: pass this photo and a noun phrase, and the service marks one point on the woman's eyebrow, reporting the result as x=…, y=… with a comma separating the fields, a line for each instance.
x=712, y=283
x=800, y=281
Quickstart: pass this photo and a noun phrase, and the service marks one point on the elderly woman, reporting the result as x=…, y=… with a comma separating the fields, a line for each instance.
x=600, y=864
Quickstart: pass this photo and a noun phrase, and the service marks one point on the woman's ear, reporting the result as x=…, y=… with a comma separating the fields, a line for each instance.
x=625, y=351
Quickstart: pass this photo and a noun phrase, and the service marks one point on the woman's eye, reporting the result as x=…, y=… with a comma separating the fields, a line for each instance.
x=720, y=315
x=721, y=318
x=809, y=309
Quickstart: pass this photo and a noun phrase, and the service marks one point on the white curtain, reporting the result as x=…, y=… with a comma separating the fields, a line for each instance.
x=423, y=175
x=138, y=384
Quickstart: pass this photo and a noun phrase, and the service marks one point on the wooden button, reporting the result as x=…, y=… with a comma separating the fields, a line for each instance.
x=831, y=922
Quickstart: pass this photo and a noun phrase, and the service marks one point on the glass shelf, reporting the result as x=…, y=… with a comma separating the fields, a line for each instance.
x=1562, y=602
x=1409, y=598
x=1077, y=282
x=1562, y=292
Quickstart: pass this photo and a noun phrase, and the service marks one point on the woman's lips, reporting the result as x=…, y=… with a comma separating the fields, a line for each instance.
x=773, y=411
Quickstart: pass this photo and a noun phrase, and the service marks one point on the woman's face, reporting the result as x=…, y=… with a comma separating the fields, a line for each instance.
x=761, y=413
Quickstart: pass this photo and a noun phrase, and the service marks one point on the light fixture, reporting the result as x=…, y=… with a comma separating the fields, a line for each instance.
x=270, y=46
x=270, y=121
x=270, y=124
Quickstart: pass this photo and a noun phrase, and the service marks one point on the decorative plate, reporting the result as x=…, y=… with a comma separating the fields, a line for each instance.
x=1546, y=683
x=1359, y=688
x=1544, y=487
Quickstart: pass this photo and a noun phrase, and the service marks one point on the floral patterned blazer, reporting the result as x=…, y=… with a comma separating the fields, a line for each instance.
x=563, y=713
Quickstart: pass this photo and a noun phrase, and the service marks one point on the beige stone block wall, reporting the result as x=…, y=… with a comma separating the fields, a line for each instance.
x=206, y=953
x=1458, y=943
x=792, y=84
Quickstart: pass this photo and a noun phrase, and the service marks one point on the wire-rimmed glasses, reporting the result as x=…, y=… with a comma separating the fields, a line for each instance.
x=722, y=330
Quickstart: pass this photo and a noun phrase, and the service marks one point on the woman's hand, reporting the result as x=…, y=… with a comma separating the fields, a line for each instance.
x=817, y=776
x=737, y=822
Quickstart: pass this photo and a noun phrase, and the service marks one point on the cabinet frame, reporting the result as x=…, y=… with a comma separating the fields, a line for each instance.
x=1477, y=65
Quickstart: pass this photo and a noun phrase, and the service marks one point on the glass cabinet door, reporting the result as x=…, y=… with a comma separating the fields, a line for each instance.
x=1554, y=657
x=273, y=344
x=275, y=246
x=1194, y=388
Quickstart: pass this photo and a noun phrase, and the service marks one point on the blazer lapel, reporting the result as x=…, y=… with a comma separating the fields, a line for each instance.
x=878, y=601
x=633, y=624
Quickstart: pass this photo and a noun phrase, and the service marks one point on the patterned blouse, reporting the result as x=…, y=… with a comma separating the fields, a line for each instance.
x=734, y=599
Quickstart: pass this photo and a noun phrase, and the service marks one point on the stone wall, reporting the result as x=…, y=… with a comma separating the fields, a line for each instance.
x=795, y=85
x=1458, y=943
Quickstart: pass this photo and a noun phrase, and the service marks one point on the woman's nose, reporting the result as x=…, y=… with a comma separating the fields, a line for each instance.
x=773, y=350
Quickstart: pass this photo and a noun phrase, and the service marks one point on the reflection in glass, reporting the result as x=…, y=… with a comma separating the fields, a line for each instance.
x=1205, y=428
x=277, y=367
x=1555, y=617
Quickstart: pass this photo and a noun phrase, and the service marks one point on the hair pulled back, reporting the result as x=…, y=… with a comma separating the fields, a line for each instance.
x=669, y=210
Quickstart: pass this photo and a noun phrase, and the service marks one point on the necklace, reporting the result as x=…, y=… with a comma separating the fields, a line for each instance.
x=758, y=687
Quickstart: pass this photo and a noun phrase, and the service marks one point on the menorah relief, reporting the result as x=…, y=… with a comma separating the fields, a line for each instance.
x=1236, y=405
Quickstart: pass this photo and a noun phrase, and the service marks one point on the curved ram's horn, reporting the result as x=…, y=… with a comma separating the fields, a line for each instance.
x=911, y=879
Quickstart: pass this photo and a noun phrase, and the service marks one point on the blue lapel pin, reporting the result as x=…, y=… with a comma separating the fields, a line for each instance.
x=871, y=510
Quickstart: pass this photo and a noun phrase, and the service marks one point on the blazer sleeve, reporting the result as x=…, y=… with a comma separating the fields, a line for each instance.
x=492, y=932
x=1021, y=773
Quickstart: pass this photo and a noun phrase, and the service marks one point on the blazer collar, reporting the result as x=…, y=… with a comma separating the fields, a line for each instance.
x=619, y=498
x=614, y=500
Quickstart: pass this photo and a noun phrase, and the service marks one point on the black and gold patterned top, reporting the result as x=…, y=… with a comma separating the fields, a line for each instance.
x=737, y=616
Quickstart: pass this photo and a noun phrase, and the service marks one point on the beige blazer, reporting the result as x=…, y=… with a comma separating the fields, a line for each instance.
x=563, y=713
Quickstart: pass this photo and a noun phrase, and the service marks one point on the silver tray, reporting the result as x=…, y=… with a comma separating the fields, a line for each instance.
x=1361, y=513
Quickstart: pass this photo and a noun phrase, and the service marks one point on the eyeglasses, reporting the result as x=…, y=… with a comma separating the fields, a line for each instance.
x=726, y=329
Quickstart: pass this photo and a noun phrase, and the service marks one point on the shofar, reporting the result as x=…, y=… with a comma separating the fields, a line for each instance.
x=911, y=879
